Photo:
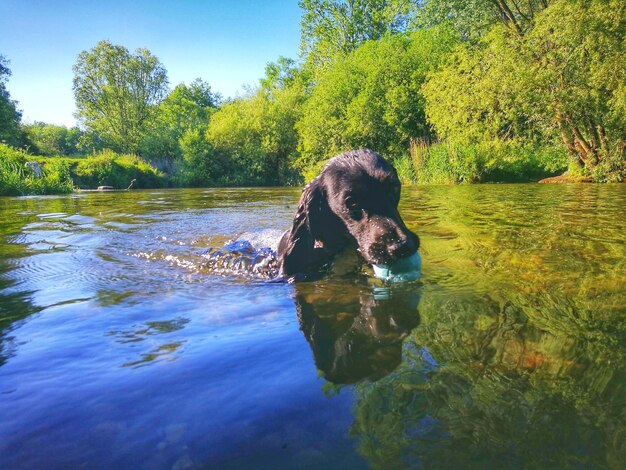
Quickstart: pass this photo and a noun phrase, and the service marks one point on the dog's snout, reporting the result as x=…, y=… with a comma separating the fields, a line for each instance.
x=401, y=249
x=396, y=243
x=402, y=245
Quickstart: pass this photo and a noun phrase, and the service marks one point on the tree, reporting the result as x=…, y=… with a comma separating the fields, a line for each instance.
x=371, y=98
x=186, y=107
x=49, y=139
x=280, y=74
x=256, y=134
x=10, y=116
x=473, y=18
x=331, y=27
x=577, y=50
x=116, y=91
x=564, y=78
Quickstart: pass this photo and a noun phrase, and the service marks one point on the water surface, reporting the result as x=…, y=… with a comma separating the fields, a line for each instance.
x=119, y=349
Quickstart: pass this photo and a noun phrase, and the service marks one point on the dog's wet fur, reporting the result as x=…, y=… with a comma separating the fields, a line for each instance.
x=351, y=204
x=350, y=207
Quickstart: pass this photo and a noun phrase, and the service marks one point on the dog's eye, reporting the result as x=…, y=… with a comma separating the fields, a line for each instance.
x=353, y=208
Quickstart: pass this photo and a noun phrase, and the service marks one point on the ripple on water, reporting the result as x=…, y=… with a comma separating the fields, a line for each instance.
x=52, y=215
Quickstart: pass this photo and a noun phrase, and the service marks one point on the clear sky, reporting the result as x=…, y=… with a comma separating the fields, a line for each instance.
x=226, y=43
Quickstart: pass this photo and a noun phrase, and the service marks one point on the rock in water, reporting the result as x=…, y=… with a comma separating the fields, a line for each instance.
x=404, y=270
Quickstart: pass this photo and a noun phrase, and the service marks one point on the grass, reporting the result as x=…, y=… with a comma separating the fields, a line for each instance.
x=108, y=168
x=62, y=174
x=16, y=179
x=448, y=163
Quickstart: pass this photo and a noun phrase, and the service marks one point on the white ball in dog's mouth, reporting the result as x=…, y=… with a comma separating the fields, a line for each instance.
x=404, y=270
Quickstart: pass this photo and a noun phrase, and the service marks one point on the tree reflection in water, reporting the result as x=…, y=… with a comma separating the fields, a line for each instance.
x=505, y=393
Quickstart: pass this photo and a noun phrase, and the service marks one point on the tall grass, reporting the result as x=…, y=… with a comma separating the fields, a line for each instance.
x=446, y=163
x=16, y=179
x=108, y=168
x=60, y=175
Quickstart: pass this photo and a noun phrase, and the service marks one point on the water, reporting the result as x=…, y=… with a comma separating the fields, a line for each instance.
x=120, y=349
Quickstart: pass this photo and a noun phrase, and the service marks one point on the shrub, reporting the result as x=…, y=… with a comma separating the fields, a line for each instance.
x=108, y=168
x=445, y=162
x=16, y=179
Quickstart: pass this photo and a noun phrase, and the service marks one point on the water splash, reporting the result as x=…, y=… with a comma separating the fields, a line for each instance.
x=240, y=257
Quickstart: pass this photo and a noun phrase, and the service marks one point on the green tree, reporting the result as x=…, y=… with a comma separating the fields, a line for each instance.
x=49, y=139
x=256, y=135
x=473, y=18
x=563, y=78
x=89, y=142
x=332, y=27
x=200, y=165
x=281, y=74
x=186, y=108
x=371, y=98
x=116, y=92
x=10, y=116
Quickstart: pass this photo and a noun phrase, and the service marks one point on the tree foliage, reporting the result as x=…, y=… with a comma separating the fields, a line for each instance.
x=49, y=139
x=563, y=78
x=256, y=134
x=10, y=116
x=281, y=74
x=116, y=92
x=451, y=90
x=187, y=108
x=336, y=27
x=372, y=98
x=473, y=18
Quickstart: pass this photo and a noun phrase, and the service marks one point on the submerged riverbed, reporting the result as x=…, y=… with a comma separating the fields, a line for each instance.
x=118, y=349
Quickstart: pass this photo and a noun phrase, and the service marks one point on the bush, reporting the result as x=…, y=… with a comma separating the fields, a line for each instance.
x=16, y=179
x=444, y=163
x=108, y=168
x=199, y=167
x=371, y=98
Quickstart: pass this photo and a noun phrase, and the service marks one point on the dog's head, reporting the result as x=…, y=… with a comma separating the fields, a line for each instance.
x=353, y=201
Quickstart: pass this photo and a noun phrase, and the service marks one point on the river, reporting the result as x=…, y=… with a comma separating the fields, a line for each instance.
x=119, y=349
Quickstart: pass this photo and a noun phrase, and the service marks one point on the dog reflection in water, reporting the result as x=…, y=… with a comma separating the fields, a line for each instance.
x=356, y=332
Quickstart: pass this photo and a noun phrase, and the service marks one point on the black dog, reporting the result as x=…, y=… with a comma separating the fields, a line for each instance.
x=352, y=203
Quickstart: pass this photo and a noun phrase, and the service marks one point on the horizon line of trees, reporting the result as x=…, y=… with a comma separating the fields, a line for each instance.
x=460, y=88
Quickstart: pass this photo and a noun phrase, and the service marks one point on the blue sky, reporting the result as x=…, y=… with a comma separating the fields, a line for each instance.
x=226, y=43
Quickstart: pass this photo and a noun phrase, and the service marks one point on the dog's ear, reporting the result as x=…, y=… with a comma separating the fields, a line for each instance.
x=297, y=250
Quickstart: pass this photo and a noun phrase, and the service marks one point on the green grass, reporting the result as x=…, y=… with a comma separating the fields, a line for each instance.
x=108, y=168
x=18, y=180
x=447, y=163
x=62, y=174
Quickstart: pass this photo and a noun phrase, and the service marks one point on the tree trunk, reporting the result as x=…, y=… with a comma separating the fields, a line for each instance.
x=603, y=143
x=508, y=14
x=587, y=154
x=567, y=140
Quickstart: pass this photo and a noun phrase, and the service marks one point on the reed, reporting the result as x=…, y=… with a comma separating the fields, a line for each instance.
x=452, y=163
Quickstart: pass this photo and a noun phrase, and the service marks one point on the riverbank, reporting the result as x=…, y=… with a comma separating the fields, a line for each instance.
x=22, y=174
x=566, y=178
x=440, y=163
